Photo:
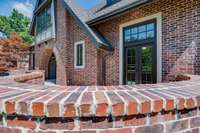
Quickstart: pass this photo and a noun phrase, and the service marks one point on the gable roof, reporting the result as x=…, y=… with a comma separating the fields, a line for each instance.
x=97, y=39
x=86, y=18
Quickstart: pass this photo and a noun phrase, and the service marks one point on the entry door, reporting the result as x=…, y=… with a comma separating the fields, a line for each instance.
x=52, y=68
x=140, y=65
x=140, y=53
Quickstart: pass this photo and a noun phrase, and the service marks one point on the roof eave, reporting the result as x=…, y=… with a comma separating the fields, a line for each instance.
x=107, y=48
x=84, y=26
x=115, y=12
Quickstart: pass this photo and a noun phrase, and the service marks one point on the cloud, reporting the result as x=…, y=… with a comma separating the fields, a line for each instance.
x=25, y=8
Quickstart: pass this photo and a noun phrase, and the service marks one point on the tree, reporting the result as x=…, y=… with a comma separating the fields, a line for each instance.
x=11, y=50
x=18, y=23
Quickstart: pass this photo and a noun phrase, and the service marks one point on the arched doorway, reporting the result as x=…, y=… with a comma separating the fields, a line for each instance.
x=52, y=69
x=49, y=58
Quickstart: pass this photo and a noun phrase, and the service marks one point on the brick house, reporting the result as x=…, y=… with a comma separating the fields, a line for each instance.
x=117, y=41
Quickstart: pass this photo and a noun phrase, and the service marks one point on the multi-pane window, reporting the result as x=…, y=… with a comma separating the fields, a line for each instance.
x=44, y=20
x=79, y=55
x=139, y=33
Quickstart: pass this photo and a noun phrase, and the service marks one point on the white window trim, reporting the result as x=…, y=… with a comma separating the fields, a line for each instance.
x=75, y=54
x=158, y=17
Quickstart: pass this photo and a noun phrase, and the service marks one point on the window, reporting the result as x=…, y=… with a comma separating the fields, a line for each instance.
x=79, y=54
x=139, y=32
x=45, y=23
x=44, y=20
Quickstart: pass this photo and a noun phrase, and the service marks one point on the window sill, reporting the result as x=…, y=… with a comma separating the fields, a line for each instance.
x=79, y=67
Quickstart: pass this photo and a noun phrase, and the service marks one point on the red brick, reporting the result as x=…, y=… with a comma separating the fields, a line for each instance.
x=38, y=107
x=53, y=105
x=123, y=130
x=86, y=104
x=30, y=131
x=158, y=102
x=9, y=130
x=69, y=104
x=10, y=104
x=190, y=103
x=150, y=129
x=135, y=120
x=145, y=103
x=195, y=122
x=180, y=99
x=102, y=104
x=187, y=113
x=57, y=123
x=117, y=104
x=79, y=132
x=132, y=103
x=177, y=126
x=156, y=118
x=25, y=103
x=95, y=123
x=21, y=122
x=168, y=99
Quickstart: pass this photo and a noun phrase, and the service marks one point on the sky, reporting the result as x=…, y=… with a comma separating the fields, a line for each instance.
x=26, y=6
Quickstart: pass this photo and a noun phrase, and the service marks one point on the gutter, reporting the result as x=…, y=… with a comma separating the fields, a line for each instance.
x=116, y=12
x=104, y=57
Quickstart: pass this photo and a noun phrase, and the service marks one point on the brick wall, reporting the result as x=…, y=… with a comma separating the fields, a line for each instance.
x=21, y=76
x=88, y=75
x=31, y=77
x=159, y=108
x=67, y=33
x=180, y=43
x=180, y=37
x=165, y=122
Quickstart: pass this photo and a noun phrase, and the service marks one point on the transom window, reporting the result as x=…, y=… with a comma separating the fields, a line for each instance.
x=79, y=54
x=44, y=19
x=138, y=33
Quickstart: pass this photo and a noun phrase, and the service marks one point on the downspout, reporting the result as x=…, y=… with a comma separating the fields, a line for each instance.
x=103, y=62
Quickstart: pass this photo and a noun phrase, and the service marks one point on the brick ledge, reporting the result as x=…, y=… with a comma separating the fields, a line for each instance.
x=97, y=101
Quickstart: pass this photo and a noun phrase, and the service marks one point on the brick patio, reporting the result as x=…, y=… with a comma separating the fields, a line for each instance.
x=164, y=107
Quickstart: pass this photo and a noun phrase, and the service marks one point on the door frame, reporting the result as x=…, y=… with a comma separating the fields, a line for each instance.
x=138, y=62
x=158, y=18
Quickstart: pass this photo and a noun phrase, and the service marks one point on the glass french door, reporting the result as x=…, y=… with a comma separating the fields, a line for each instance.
x=140, y=67
x=131, y=69
x=140, y=53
